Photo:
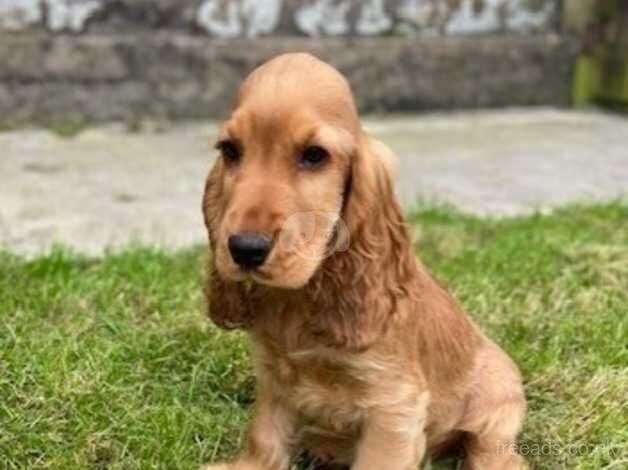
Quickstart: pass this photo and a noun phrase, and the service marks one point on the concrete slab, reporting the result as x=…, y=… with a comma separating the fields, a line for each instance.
x=108, y=187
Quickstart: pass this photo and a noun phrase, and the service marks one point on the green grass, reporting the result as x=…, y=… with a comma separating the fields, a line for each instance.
x=110, y=363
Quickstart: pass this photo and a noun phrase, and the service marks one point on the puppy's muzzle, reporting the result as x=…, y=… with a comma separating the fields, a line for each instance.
x=249, y=250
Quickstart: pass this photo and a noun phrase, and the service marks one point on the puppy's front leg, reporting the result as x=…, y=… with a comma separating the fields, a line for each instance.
x=268, y=445
x=393, y=438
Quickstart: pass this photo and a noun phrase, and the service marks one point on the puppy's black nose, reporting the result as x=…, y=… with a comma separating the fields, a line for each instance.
x=249, y=250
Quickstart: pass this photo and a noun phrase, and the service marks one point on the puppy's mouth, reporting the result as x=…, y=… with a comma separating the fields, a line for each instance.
x=266, y=276
x=257, y=275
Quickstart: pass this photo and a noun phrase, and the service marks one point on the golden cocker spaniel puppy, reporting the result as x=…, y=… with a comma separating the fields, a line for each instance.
x=362, y=359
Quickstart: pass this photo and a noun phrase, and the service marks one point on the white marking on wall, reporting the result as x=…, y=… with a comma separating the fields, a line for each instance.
x=467, y=21
x=250, y=18
x=522, y=19
x=421, y=16
x=226, y=27
x=62, y=14
x=262, y=16
x=253, y=18
x=516, y=17
x=71, y=14
x=18, y=14
x=324, y=17
x=373, y=18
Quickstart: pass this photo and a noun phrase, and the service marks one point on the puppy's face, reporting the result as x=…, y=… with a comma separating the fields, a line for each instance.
x=275, y=196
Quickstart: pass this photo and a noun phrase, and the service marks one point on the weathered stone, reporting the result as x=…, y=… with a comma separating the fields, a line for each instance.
x=254, y=18
x=70, y=15
x=180, y=76
x=51, y=102
x=21, y=57
x=41, y=57
x=131, y=15
x=19, y=14
x=93, y=59
x=577, y=14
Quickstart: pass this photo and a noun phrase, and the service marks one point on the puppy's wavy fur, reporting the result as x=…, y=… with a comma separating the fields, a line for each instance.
x=362, y=359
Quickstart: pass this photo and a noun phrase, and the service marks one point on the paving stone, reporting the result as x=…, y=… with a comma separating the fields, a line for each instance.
x=108, y=186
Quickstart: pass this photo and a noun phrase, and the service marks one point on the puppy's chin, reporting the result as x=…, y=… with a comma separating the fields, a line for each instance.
x=290, y=269
x=285, y=281
x=263, y=279
x=275, y=276
x=232, y=275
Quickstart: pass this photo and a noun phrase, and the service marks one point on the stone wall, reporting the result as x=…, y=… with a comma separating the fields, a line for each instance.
x=173, y=76
x=253, y=18
x=99, y=60
x=577, y=15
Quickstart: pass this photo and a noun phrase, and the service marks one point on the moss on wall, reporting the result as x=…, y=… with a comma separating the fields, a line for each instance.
x=602, y=69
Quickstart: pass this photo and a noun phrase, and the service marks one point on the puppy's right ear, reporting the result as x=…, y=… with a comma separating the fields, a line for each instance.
x=227, y=302
x=212, y=205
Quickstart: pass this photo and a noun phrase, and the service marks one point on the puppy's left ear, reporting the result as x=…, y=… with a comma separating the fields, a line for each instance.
x=357, y=291
x=371, y=189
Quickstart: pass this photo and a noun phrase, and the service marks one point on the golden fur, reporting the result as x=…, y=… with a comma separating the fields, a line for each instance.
x=362, y=359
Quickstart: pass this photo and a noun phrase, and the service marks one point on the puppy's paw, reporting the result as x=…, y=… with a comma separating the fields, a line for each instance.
x=219, y=466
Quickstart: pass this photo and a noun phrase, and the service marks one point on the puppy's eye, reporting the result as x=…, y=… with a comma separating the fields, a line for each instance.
x=313, y=157
x=229, y=151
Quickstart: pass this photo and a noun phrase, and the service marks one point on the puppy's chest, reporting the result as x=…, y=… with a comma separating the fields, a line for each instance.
x=329, y=394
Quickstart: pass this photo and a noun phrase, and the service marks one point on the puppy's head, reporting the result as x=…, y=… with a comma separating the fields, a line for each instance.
x=274, y=199
x=301, y=197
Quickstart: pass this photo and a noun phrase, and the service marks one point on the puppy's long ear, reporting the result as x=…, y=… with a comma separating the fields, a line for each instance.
x=371, y=189
x=227, y=302
x=358, y=290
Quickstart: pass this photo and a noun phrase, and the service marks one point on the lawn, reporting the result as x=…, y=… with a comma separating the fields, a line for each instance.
x=111, y=363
